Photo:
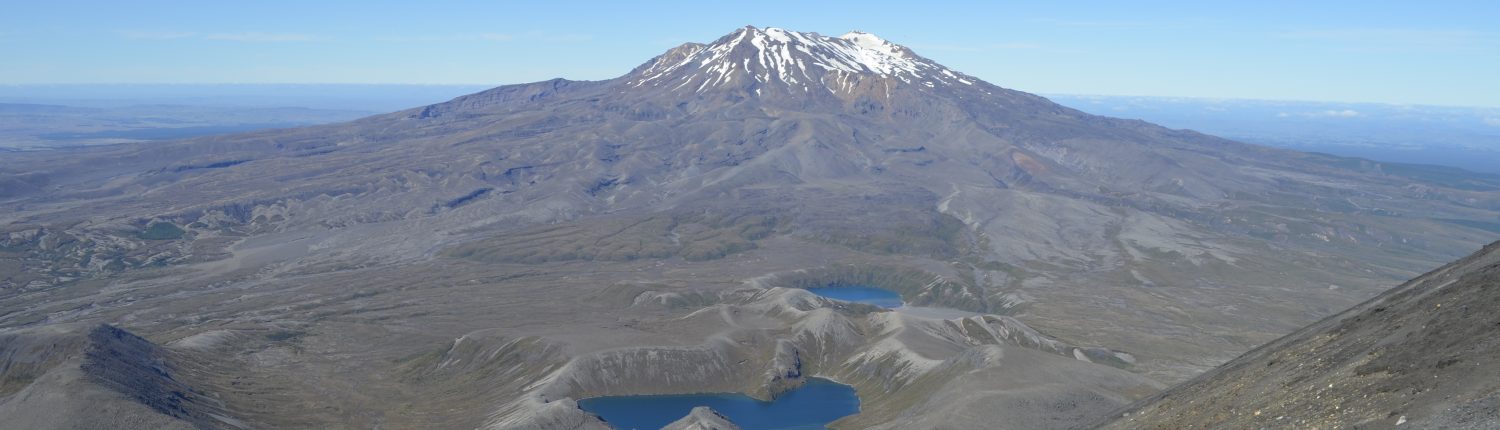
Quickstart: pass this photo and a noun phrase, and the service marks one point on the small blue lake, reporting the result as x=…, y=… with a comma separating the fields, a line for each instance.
x=812, y=406
x=866, y=295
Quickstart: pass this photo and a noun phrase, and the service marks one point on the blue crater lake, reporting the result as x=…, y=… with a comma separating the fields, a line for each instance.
x=866, y=295
x=812, y=406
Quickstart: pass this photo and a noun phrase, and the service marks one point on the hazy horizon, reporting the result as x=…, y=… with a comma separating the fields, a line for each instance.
x=1455, y=136
x=4, y=95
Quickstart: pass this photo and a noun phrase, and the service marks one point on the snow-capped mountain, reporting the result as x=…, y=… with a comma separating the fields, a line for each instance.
x=751, y=59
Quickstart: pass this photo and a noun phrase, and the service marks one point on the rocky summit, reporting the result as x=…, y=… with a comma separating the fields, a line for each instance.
x=487, y=261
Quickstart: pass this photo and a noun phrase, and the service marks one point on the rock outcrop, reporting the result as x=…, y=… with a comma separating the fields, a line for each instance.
x=702, y=418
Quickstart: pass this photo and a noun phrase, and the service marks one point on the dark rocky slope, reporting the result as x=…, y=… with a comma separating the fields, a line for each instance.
x=1420, y=356
x=97, y=378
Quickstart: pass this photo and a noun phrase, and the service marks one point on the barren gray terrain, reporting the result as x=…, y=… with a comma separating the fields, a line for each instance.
x=1419, y=356
x=702, y=418
x=487, y=261
x=33, y=126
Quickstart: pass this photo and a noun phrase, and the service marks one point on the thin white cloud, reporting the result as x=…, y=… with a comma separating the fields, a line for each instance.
x=948, y=48
x=1093, y=24
x=560, y=37
x=1005, y=46
x=1181, y=23
x=157, y=35
x=1395, y=39
x=1346, y=113
x=232, y=37
x=261, y=37
x=1331, y=113
x=488, y=37
x=1495, y=121
x=432, y=38
x=1018, y=45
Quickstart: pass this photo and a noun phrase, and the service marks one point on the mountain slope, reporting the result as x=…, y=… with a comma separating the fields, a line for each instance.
x=1420, y=355
x=584, y=221
x=97, y=378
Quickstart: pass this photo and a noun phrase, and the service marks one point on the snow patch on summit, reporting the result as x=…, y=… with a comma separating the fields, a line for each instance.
x=885, y=58
x=756, y=58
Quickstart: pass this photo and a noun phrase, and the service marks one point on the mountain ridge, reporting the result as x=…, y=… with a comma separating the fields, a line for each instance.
x=1401, y=358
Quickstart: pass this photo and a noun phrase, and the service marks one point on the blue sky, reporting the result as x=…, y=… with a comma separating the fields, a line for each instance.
x=1444, y=53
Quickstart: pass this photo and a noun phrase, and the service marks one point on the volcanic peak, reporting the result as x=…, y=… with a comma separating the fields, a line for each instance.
x=751, y=57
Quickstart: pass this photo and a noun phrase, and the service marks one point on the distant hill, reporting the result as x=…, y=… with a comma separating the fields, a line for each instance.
x=347, y=97
x=25, y=126
x=1465, y=137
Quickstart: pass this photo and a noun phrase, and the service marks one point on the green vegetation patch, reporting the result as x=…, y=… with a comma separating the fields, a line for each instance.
x=12, y=382
x=937, y=236
x=284, y=335
x=1493, y=227
x=693, y=237
x=163, y=231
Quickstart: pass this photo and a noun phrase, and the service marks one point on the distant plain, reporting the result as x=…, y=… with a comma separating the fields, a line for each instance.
x=1455, y=136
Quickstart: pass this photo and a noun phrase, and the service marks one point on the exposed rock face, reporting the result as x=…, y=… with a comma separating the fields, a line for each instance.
x=1419, y=356
x=99, y=378
x=702, y=418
